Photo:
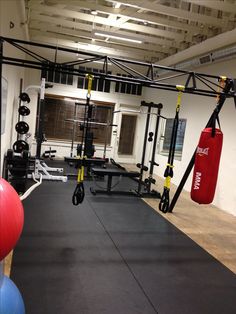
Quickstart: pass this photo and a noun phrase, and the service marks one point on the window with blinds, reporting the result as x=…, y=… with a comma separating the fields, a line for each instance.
x=64, y=119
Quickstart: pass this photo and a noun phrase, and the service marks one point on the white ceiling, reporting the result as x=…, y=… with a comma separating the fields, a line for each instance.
x=165, y=27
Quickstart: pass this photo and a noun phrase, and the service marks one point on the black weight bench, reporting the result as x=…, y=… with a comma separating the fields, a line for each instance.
x=110, y=173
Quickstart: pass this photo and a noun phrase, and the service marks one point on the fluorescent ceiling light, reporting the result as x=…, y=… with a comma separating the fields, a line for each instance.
x=124, y=38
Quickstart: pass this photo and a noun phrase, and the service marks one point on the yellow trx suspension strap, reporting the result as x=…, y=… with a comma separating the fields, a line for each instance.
x=180, y=89
x=222, y=82
x=90, y=81
x=168, y=178
x=78, y=195
x=80, y=177
x=164, y=202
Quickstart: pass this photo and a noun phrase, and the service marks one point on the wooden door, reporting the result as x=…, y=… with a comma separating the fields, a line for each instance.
x=127, y=134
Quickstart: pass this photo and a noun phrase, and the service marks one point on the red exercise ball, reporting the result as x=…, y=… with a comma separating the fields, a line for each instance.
x=11, y=218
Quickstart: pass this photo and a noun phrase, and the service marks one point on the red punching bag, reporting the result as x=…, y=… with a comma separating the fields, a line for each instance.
x=207, y=159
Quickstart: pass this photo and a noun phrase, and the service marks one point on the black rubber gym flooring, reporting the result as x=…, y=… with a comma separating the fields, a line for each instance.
x=112, y=255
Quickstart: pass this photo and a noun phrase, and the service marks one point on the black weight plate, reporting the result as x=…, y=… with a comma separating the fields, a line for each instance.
x=20, y=146
x=22, y=127
x=24, y=97
x=24, y=111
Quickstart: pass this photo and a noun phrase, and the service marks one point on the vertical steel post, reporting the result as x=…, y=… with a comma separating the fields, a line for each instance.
x=144, y=148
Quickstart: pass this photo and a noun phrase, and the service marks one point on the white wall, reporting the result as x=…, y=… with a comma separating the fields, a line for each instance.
x=197, y=110
x=11, y=11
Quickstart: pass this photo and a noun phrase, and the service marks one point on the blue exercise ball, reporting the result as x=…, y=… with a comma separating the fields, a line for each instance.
x=10, y=298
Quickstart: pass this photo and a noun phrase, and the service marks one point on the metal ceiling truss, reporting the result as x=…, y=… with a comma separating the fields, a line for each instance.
x=134, y=72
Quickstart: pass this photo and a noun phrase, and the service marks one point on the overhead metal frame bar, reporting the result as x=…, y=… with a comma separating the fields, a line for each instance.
x=145, y=76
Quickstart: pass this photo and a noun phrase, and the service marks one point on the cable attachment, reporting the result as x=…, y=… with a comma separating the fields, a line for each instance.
x=78, y=195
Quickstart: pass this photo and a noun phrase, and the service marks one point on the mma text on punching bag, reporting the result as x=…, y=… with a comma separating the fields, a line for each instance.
x=206, y=166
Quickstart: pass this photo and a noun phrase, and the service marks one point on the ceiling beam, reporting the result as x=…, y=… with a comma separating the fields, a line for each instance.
x=80, y=35
x=105, y=21
x=86, y=45
x=166, y=10
x=216, y=5
x=89, y=28
x=132, y=13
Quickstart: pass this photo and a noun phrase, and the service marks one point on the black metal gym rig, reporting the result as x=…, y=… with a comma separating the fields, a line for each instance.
x=145, y=76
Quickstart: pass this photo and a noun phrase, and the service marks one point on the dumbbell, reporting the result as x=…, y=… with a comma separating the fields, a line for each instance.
x=150, y=138
x=143, y=167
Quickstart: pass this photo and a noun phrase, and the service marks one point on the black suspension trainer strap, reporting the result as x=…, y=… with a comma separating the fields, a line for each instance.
x=88, y=112
x=168, y=174
x=78, y=195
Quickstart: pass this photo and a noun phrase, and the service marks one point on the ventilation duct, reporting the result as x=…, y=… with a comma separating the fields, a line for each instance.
x=205, y=59
x=218, y=55
x=224, y=54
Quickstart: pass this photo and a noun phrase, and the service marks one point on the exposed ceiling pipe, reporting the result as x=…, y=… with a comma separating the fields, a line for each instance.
x=24, y=16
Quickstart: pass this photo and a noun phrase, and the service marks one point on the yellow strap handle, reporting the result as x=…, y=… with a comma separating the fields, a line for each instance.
x=168, y=178
x=80, y=176
x=167, y=182
x=90, y=80
x=180, y=88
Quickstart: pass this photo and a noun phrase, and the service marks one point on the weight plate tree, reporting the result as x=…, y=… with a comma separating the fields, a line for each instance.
x=22, y=127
